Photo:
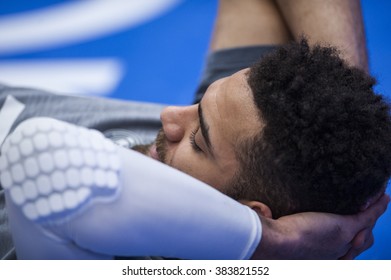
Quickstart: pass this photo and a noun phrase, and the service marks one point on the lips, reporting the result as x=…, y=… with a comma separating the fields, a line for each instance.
x=153, y=152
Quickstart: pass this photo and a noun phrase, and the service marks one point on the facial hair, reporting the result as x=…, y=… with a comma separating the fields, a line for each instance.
x=144, y=149
x=161, y=146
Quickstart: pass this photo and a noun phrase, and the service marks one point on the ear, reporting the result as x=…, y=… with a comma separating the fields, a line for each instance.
x=259, y=207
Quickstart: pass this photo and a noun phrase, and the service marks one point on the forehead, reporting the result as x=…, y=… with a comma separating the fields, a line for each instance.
x=231, y=111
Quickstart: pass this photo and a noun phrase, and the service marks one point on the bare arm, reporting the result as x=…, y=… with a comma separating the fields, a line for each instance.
x=246, y=23
x=335, y=22
x=262, y=22
x=319, y=235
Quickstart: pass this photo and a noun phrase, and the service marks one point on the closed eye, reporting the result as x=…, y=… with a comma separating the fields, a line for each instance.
x=193, y=142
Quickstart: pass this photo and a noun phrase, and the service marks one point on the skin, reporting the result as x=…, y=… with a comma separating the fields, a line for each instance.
x=263, y=22
x=228, y=112
x=339, y=23
x=319, y=235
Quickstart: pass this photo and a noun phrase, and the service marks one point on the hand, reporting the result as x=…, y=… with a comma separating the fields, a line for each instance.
x=319, y=235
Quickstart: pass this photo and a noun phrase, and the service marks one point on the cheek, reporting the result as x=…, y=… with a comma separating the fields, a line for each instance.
x=183, y=158
x=199, y=167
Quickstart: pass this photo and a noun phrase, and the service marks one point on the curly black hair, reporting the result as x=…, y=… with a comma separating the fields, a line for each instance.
x=326, y=144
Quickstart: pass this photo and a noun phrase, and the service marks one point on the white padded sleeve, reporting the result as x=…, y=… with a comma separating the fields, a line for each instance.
x=73, y=194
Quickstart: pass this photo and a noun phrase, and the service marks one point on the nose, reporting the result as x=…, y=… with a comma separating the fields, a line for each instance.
x=177, y=120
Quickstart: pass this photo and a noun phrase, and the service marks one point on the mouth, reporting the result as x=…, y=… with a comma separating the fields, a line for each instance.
x=153, y=152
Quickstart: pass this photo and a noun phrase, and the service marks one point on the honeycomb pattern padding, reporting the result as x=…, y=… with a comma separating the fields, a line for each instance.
x=51, y=169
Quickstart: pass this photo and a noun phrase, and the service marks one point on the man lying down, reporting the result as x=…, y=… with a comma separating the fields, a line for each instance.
x=299, y=131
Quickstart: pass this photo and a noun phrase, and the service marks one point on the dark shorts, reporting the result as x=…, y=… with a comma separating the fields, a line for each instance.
x=226, y=62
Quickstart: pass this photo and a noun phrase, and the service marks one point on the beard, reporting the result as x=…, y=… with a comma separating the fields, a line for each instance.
x=161, y=146
x=144, y=149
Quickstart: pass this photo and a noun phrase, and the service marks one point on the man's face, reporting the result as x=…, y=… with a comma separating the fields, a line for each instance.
x=201, y=140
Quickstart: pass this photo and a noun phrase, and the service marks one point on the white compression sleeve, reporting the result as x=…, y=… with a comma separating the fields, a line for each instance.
x=73, y=194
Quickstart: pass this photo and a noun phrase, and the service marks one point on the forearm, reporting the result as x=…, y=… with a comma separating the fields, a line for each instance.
x=272, y=241
x=335, y=22
x=319, y=235
x=246, y=23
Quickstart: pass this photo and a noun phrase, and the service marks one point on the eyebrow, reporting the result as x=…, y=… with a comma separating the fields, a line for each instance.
x=204, y=129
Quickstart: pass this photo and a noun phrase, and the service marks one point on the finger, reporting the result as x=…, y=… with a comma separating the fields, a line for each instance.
x=368, y=243
x=370, y=216
x=360, y=238
x=363, y=240
x=355, y=251
x=366, y=220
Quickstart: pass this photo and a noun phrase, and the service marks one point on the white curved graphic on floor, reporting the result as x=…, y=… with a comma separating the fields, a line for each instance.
x=74, y=22
x=96, y=77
